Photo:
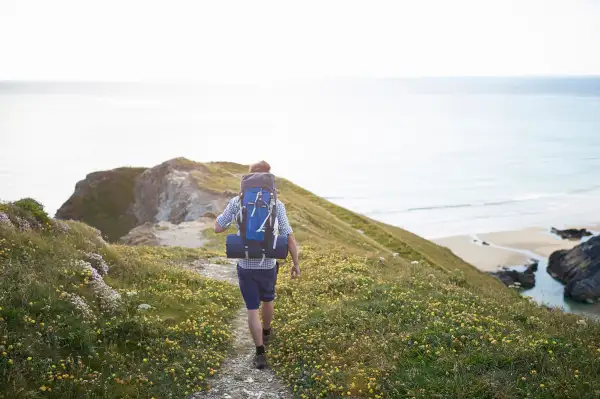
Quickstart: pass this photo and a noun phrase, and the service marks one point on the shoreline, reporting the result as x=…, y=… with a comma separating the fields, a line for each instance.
x=509, y=248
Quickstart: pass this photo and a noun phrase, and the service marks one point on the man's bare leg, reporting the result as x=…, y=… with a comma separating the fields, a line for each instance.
x=267, y=314
x=255, y=327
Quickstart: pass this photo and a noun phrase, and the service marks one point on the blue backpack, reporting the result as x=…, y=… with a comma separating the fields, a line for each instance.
x=257, y=221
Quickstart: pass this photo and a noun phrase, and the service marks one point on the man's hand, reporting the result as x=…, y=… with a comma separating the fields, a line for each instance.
x=295, y=272
x=294, y=251
x=219, y=228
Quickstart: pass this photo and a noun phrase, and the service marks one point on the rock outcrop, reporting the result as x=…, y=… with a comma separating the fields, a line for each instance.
x=170, y=192
x=104, y=200
x=524, y=279
x=579, y=269
x=571, y=234
x=119, y=200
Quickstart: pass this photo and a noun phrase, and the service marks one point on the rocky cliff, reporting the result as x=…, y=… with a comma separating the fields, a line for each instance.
x=116, y=201
x=579, y=269
x=104, y=200
x=171, y=192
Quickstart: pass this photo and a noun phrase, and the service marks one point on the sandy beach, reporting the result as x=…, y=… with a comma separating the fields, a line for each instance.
x=490, y=258
x=483, y=257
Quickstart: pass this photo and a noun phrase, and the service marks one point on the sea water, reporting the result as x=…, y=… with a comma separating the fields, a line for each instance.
x=437, y=157
x=549, y=291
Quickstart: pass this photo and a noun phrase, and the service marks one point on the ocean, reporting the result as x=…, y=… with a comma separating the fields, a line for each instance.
x=438, y=157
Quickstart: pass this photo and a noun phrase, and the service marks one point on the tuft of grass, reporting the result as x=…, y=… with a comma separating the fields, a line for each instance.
x=62, y=334
x=31, y=207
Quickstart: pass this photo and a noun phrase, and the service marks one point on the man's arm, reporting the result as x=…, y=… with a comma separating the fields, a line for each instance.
x=286, y=229
x=294, y=251
x=225, y=219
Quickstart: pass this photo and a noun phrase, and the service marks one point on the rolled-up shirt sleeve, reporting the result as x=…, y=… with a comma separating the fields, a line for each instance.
x=226, y=218
x=282, y=220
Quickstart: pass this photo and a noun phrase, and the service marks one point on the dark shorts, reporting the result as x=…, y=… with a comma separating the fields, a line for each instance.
x=257, y=285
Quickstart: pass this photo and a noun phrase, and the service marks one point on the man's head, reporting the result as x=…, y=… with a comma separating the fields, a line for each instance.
x=260, y=167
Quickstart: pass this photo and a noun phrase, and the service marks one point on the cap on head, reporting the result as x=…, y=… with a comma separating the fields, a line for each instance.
x=260, y=167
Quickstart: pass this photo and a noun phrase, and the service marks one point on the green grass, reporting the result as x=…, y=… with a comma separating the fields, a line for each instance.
x=440, y=328
x=354, y=327
x=220, y=177
x=49, y=347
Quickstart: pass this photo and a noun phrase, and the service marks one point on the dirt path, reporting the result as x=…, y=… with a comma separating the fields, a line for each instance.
x=186, y=234
x=238, y=378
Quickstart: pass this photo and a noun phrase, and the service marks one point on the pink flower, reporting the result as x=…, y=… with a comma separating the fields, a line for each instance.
x=61, y=226
x=109, y=298
x=5, y=220
x=23, y=224
x=97, y=263
x=80, y=305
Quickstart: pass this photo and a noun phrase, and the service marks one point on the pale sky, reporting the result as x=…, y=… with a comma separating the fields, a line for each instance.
x=230, y=41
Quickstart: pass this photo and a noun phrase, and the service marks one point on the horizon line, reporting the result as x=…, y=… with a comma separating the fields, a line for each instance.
x=301, y=79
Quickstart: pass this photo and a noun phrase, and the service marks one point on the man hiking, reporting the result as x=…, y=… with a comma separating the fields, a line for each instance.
x=257, y=277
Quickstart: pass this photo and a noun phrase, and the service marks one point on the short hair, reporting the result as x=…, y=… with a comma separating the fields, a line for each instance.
x=260, y=167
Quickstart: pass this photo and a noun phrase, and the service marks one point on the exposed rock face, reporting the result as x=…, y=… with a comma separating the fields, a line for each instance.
x=104, y=200
x=168, y=192
x=571, y=234
x=579, y=269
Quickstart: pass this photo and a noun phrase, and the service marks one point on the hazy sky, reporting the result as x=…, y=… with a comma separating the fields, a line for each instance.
x=257, y=40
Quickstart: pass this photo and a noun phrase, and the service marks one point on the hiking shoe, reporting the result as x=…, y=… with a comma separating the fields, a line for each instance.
x=266, y=338
x=260, y=361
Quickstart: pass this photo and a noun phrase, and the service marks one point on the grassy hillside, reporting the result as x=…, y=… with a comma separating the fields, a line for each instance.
x=324, y=225
x=353, y=326
x=422, y=323
x=70, y=323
